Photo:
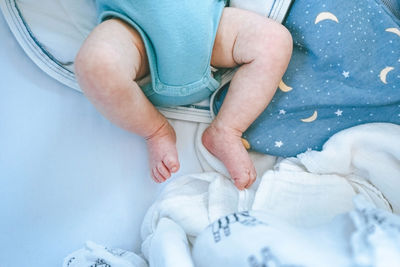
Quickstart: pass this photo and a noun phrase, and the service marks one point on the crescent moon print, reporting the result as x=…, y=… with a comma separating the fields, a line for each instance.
x=326, y=16
x=284, y=87
x=312, y=118
x=384, y=73
x=393, y=30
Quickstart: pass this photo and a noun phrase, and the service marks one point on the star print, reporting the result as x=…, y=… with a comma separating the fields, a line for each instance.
x=278, y=143
x=339, y=112
x=346, y=74
x=282, y=111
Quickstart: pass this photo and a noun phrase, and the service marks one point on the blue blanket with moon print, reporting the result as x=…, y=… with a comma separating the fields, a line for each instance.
x=345, y=71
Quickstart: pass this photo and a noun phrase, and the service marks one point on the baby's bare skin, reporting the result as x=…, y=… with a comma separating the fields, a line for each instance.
x=113, y=57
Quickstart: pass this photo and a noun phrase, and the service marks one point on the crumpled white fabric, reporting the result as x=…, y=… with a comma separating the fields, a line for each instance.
x=376, y=241
x=193, y=202
x=368, y=155
x=96, y=255
x=364, y=237
x=306, y=191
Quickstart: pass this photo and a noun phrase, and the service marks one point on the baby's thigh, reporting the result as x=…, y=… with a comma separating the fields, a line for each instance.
x=113, y=48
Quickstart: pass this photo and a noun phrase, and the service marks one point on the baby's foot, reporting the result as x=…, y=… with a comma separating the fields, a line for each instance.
x=227, y=146
x=163, y=157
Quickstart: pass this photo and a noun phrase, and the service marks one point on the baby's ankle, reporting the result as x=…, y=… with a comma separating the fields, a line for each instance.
x=223, y=128
x=163, y=130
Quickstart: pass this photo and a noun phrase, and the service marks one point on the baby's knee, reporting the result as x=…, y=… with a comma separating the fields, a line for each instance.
x=95, y=64
x=97, y=72
x=276, y=41
x=271, y=46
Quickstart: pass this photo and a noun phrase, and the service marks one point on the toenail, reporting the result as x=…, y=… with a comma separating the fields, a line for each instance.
x=174, y=169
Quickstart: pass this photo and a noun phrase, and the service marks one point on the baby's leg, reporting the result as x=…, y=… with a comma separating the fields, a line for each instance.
x=111, y=58
x=262, y=47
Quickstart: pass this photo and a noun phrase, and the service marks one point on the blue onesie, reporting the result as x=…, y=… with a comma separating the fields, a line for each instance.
x=179, y=38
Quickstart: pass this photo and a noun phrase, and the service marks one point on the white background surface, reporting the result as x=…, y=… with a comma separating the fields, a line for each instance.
x=67, y=175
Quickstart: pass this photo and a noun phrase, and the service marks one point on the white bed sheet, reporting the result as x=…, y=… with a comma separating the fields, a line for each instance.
x=66, y=174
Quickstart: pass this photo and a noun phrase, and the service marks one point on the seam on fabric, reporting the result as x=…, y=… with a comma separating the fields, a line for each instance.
x=42, y=54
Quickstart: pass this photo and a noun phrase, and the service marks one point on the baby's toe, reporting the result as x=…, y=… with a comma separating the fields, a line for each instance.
x=162, y=169
x=171, y=163
x=252, y=178
x=241, y=181
x=156, y=175
x=245, y=179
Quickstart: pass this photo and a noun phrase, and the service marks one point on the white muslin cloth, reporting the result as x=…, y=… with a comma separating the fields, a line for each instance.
x=96, y=255
x=366, y=236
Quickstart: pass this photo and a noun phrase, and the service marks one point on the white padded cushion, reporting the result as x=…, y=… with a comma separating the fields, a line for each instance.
x=60, y=25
